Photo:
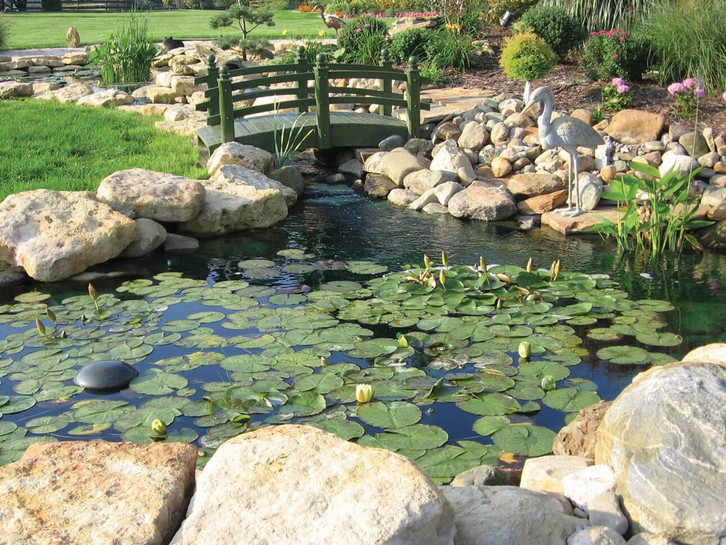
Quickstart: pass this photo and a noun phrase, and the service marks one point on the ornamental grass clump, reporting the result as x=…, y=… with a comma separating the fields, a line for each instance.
x=687, y=94
x=126, y=56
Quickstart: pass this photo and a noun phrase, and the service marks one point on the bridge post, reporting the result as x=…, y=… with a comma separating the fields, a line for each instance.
x=385, y=84
x=226, y=107
x=212, y=77
x=302, y=81
x=322, y=101
x=413, y=98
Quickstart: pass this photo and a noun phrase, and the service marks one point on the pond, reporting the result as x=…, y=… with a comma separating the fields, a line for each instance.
x=280, y=325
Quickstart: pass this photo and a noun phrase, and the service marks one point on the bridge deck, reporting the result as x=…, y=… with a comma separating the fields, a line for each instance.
x=348, y=129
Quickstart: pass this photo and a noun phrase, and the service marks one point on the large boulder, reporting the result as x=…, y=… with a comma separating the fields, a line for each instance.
x=231, y=207
x=72, y=92
x=498, y=515
x=526, y=185
x=234, y=153
x=578, y=437
x=635, y=127
x=234, y=174
x=664, y=438
x=378, y=185
x=485, y=201
x=474, y=136
x=12, y=89
x=545, y=473
x=151, y=236
x=54, y=235
x=141, y=193
x=449, y=158
x=400, y=162
x=96, y=492
x=299, y=485
x=106, y=99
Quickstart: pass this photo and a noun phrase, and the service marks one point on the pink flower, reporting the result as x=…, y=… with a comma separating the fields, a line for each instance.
x=623, y=88
x=358, y=29
x=689, y=82
x=676, y=88
x=699, y=93
x=618, y=81
x=723, y=96
x=615, y=57
x=622, y=39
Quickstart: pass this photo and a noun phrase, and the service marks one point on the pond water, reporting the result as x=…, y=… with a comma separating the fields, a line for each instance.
x=233, y=340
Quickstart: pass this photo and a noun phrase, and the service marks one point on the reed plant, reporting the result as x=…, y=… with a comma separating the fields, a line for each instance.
x=125, y=57
x=607, y=14
x=687, y=38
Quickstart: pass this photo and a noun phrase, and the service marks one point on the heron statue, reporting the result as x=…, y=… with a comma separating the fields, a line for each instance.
x=331, y=21
x=568, y=133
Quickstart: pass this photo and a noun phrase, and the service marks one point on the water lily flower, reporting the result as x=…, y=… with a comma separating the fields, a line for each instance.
x=39, y=325
x=482, y=264
x=93, y=294
x=427, y=261
x=363, y=393
x=444, y=259
x=524, y=350
x=158, y=427
x=530, y=262
x=548, y=383
x=50, y=314
x=442, y=278
x=323, y=361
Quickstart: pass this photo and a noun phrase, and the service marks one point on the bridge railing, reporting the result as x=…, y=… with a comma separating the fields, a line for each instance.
x=225, y=91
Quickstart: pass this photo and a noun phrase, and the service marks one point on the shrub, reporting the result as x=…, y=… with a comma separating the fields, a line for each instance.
x=409, y=42
x=461, y=16
x=606, y=13
x=51, y=5
x=447, y=50
x=687, y=38
x=246, y=17
x=527, y=57
x=4, y=31
x=363, y=39
x=498, y=7
x=614, y=53
x=126, y=56
x=352, y=8
x=554, y=26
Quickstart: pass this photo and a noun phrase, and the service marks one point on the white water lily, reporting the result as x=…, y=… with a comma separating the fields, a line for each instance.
x=363, y=393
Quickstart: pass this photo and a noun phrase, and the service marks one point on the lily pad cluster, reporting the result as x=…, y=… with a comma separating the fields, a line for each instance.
x=217, y=359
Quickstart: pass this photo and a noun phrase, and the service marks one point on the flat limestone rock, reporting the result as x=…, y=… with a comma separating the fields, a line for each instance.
x=578, y=224
x=545, y=473
x=231, y=207
x=237, y=174
x=635, y=127
x=141, y=193
x=72, y=92
x=497, y=515
x=96, y=493
x=542, y=203
x=297, y=485
x=523, y=186
x=234, y=153
x=664, y=438
x=54, y=235
x=106, y=98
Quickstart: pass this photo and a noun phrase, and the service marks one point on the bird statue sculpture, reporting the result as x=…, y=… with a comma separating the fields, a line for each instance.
x=568, y=133
x=331, y=21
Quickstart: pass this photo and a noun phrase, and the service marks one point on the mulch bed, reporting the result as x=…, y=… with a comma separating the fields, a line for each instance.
x=573, y=89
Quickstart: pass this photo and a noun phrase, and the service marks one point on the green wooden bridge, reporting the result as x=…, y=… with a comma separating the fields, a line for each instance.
x=314, y=125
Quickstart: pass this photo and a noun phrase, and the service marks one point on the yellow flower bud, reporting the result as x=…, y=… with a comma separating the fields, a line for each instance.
x=92, y=292
x=525, y=350
x=158, y=427
x=427, y=261
x=529, y=264
x=363, y=393
x=39, y=325
x=482, y=264
x=444, y=259
x=50, y=314
x=442, y=278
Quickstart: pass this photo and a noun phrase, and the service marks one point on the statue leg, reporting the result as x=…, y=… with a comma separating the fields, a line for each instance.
x=568, y=210
x=578, y=204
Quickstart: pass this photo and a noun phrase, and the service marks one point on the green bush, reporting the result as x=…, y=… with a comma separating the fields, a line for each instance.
x=445, y=49
x=312, y=49
x=352, y=8
x=554, y=26
x=4, y=31
x=409, y=42
x=363, y=39
x=687, y=39
x=51, y=5
x=614, y=53
x=527, y=57
x=126, y=56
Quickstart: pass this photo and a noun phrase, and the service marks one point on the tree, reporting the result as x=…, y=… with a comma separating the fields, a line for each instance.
x=247, y=19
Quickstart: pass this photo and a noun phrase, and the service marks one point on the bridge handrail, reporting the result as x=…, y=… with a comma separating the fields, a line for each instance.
x=221, y=96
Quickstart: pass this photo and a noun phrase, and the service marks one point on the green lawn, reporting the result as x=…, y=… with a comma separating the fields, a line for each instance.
x=48, y=145
x=35, y=30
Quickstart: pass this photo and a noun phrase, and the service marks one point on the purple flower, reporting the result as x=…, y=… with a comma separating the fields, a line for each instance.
x=676, y=88
x=618, y=81
x=358, y=29
x=689, y=82
x=699, y=93
x=723, y=96
x=623, y=88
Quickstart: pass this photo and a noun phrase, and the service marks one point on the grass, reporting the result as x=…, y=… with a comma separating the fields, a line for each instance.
x=37, y=30
x=49, y=145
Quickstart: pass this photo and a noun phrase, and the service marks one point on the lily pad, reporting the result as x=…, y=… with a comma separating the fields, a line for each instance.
x=365, y=267
x=623, y=354
x=487, y=425
x=156, y=382
x=414, y=437
x=524, y=439
x=345, y=429
x=570, y=399
x=393, y=415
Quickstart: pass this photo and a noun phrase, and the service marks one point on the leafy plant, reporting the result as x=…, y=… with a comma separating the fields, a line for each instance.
x=660, y=224
x=686, y=94
x=616, y=96
x=289, y=140
x=447, y=50
x=606, y=13
x=497, y=8
x=410, y=42
x=687, y=37
x=552, y=23
x=246, y=17
x=363, y=39
x=614, y=53
x=432, y=74
x=527, y=57
x=126, y=56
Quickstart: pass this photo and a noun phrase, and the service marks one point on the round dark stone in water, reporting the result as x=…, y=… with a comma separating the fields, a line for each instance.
x=105, y=375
